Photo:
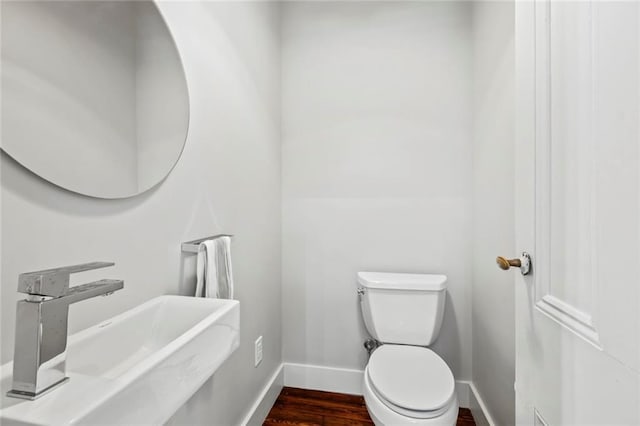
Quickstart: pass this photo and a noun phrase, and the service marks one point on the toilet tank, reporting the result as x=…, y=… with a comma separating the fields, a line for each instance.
x=402, y=308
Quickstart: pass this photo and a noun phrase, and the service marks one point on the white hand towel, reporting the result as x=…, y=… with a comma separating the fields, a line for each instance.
x=205, y=269
x=214, y=272
x=223, y=267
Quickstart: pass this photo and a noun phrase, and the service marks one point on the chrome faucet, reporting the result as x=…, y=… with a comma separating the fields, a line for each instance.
x=39, y=355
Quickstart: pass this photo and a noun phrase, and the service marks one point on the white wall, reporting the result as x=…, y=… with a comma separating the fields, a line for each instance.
x=493, y=206
x=228, y=180
x=376, y=167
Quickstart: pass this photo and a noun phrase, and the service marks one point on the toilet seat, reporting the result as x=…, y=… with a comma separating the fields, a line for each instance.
x=411, y=380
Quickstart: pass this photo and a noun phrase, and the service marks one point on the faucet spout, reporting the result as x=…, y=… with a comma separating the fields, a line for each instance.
x=89, y=290
x=54, y=282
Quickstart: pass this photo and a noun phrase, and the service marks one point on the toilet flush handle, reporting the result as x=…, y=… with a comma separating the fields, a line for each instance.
x=524, y=263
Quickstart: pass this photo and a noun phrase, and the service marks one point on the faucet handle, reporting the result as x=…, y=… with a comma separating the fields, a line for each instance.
x=54, y=282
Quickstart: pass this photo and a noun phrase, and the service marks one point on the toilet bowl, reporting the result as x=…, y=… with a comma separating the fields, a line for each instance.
x=409, y=385
x=405, y=382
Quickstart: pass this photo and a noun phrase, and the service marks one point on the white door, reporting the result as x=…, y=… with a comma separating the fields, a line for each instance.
x=578, y=212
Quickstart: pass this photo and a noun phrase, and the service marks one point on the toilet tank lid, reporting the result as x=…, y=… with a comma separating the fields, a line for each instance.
x=400, y=281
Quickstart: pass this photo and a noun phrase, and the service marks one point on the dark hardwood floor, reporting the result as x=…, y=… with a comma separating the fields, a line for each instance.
x=308, y=407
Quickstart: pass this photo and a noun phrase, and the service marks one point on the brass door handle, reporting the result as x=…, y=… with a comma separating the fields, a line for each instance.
x=524, y=263
x=507, y=263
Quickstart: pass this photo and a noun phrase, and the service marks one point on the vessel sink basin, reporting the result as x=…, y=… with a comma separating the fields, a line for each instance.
x=136, y=368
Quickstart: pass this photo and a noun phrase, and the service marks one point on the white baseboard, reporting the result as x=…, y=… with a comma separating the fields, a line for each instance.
x=329, y=379
x=344, y=380
x=478, y=408
x=261, y=407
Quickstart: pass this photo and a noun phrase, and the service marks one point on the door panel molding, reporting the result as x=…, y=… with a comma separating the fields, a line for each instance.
x=565, y=166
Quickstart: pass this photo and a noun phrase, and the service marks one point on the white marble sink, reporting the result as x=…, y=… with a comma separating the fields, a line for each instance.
x=136, y=368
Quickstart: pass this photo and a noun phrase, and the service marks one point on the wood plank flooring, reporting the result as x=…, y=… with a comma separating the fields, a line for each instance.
x=315, y=408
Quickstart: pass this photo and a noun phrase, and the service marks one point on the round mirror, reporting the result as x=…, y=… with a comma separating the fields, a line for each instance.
x=94, y=97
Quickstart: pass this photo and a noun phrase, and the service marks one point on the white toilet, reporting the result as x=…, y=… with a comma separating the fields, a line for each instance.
x=405, y=382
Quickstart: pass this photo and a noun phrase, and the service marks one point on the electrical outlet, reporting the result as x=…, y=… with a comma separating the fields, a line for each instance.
x=258, y=351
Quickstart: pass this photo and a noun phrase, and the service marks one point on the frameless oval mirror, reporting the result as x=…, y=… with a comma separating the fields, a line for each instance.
x=94, y=97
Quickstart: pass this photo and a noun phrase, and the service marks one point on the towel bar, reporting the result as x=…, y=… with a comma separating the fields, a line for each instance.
x=192, y=246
